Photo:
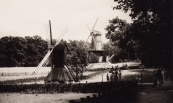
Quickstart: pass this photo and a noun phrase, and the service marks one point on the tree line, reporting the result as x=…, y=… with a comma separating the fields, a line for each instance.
x=19, y=51
x=29, y=51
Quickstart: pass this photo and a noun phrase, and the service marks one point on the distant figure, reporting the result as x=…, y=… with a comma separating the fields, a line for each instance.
x=112, y=68
x=159, y=77
x=112, y=77
x=119, y=74
x=116, y=67
x=107, y=77
x=166, y=74
x=116, y=75
x=126, y=66
x=154, y=79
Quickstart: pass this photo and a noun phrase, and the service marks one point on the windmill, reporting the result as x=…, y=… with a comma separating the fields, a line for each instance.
x=96, y=42
x=56, y=55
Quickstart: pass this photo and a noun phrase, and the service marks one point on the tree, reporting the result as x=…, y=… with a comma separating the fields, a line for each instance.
x=19, y=51
x=110, y=49
x=118, y=33
x=150, y=31
x=36, y=50
x=12, y=51
x=93, y=58
x=78, y=49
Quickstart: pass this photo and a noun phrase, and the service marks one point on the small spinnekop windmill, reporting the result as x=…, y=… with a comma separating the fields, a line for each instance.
x=96, y=42
x=57, y=55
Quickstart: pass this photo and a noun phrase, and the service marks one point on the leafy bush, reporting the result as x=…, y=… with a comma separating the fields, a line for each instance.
x=93, y=58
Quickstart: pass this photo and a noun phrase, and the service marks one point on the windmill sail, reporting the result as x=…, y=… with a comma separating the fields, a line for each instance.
x=43, y=61
x=91, y=34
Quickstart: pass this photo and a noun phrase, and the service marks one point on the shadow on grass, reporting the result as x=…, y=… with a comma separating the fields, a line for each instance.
x=144, y=76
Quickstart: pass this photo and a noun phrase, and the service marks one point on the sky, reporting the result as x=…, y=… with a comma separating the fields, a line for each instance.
x=31, y=17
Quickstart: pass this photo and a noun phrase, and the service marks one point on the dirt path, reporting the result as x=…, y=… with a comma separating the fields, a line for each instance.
x=102, y=77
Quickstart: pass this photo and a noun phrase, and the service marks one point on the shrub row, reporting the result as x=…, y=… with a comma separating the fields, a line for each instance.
x=20, y=81
x=56, y=88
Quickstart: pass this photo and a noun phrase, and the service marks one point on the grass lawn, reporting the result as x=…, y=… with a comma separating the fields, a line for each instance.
x=40, y=98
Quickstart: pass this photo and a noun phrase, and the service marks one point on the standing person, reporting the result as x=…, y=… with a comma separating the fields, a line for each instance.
x=116, y=75
x=154, y=79
x=159, y=76
x=112, y=77
x=107, y=77
x=115, y=68
x=119, y=74
x=112, y=68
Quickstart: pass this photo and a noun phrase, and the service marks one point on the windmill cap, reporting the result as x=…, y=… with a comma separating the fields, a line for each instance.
x=95, y=32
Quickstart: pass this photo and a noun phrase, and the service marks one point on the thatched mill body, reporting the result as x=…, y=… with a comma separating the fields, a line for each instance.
x=59, y=70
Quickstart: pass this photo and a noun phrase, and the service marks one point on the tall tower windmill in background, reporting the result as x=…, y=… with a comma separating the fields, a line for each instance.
x=96, y=42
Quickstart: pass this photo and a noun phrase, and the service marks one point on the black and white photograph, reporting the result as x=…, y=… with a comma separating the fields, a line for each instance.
x=86, y=51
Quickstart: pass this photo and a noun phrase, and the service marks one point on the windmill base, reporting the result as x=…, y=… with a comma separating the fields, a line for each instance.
x=59, y=75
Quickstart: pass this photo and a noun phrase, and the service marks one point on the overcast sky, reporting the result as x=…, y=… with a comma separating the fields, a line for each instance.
x=30, y=17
